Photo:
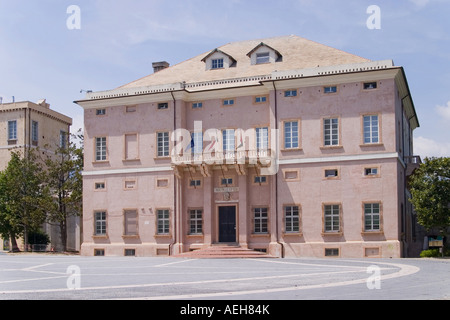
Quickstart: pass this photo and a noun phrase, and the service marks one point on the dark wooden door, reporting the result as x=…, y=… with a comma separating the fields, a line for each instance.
x=227, y=224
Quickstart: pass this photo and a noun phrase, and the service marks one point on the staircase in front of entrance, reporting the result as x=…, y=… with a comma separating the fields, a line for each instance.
x=223, y=252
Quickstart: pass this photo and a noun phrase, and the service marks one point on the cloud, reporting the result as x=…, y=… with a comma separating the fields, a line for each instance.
x=425, y=147
x=420, y=3
x=444, y=111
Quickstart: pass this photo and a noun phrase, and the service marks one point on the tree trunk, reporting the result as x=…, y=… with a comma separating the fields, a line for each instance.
x=63, y=230
x=14, y=247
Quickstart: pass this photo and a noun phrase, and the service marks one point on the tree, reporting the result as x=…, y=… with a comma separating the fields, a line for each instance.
x=22, y=196
x=63, y=177
x=430, y=191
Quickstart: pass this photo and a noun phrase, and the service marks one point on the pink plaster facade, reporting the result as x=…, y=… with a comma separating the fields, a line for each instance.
x=139, y=202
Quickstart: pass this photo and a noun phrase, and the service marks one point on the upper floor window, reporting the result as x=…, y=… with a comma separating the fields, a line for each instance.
x=12, y=130
x=371, y=129
x=291, y=136
x=217, y=63
x=370, y=85
x=100, y=112
x=263, y=57
x=63, y=139
x=34, y=132
x=228, y=136
x=163, y=144
x=331, y=132
x=290, y=93
x=197, y=105
x=262, y=138
x=100, y=149
x=162, y=106
x=332, y=89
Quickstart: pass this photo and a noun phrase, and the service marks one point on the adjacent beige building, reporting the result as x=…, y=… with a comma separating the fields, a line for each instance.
x=34, y=125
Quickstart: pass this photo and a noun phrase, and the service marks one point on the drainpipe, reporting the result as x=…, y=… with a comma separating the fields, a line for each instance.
x=276, y=174
x=175, y=184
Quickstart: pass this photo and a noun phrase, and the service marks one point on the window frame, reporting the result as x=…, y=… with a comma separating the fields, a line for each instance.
x=291, y=229
x=261, y=223
x=371, y=215
x=328, y=135
x=100, y=223
x=12, y=130
x=103, y=151
x=195, y=224
x=126, y=232
x=161, y=151
x=217, y=63
x=333, y=216
x=371, y=130
x=292, y=132
x=166, y=223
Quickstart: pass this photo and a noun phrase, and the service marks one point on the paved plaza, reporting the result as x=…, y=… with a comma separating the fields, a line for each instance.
x=52, y=277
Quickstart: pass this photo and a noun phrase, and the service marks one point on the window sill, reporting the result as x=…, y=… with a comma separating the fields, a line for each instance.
x=131, y=160
x=332, y=233
x=130, y=236
x=365, y=145
x=264, y=235
x=100, y=237
x=291, y=149
x=162, y=158
x=331, y=147
x=293, y=234
x=163, y=236
x=100, y=162
x=368, y=233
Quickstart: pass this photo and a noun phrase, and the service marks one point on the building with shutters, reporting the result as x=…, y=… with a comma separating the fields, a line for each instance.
x=281, y=145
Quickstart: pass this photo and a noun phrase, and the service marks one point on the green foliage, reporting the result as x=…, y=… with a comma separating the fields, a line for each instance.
x=434, y=253
x=430, y=190
x=38, y=237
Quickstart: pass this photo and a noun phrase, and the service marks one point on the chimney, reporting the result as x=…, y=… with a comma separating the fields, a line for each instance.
x=158, y=66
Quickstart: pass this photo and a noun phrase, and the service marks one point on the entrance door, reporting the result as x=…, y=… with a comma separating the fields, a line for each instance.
x=227, y=224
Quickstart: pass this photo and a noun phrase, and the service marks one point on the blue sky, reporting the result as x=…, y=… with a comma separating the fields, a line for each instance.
x=118, y=41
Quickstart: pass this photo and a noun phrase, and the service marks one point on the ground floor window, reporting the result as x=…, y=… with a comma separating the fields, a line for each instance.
x=260, y=220
x=196, y=221
x=163, y=221
x=100, y=223
x=372, y=217
x=291, y=219
x=332, y=218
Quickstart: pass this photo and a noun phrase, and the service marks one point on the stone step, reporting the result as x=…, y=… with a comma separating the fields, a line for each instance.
x=223, y=252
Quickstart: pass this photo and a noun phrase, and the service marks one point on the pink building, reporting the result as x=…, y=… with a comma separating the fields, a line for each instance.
x=281, y=145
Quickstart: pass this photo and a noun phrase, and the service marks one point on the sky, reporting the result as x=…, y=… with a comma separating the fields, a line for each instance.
x=49, y=51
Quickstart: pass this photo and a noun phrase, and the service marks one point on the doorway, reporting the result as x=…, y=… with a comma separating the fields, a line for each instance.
x=227, y=224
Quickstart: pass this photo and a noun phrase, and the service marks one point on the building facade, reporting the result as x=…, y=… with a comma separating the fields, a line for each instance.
x=26, y=125
x=281, y=145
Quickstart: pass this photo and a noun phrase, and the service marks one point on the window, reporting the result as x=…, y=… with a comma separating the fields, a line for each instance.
x=99, y=252
x=163, y=221
x=260, y=179
x=162, y=106
x=130, y=252
x=371, y=217
x=261, y=99
x=262, y=138
x=291, y=140
x=370, y=85
x=100, y=149
x=260, y=220
x=226, y=181
x=196, y=221
x=331, y=131
x=228, y=140
x=332, y=89
x=217, y=63
x=34, y=132
x=332, y=218
x=63, y=139
x=12, y=130
x=262, y=57
x=100, y=112
x=331, y=173
x=371, y=171
x=371, y=129
x=228, y=102
x=100, y=223
x=291, y=175
x=196, y=142
x=100, y=186
x=291, y=219
x=163, y=144
x=331, y=252
x=130, y=223
x=195, y=183
x=197, y=105
x=290, y=93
